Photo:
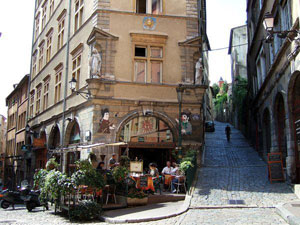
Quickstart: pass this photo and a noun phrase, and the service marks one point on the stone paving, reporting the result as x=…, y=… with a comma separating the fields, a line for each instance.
x=235, y=171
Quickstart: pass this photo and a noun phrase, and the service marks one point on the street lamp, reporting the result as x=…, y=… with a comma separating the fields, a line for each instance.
x=180, y=90
x=268, y=23
x=73, y=84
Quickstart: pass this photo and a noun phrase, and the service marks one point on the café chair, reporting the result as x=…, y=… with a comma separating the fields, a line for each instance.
x=111, y=192
x=180, y=183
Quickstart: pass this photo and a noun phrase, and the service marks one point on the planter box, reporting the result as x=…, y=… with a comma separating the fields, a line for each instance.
x=137, y=201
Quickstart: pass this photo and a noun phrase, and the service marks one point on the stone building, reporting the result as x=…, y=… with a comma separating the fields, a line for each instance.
x=17, y=102
x=127, y=58
x=2, y=145
x=274, y=83
x=238, y=54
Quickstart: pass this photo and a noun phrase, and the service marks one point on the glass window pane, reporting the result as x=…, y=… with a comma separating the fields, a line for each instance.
x=156, y=52
x=140, y=51
x=140, y=71
x=156, y=72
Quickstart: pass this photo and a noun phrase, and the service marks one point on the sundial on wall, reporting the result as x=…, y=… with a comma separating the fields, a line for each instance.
x=149, y=23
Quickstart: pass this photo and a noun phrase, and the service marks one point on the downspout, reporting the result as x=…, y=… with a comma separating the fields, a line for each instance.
x=29, y=83
x=62, y=141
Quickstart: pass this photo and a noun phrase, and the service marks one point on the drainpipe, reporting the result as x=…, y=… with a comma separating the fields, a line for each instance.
x=62, y=141
x=28, y=88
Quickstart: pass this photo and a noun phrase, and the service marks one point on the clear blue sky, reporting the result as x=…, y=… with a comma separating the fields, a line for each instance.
x=16, y=28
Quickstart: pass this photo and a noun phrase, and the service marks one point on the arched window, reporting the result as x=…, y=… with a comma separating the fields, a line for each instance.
x=75, y=134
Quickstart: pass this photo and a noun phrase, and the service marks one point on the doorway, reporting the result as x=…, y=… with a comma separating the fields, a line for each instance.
x=150, y=155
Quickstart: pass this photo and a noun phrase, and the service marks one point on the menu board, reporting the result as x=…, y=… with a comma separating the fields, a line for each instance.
x=143, y=181
x=136, y=167
x=275, y=167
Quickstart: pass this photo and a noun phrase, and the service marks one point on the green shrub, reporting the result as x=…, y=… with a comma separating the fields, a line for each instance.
x=185, y=165
x=86, y=210
x=52, y=164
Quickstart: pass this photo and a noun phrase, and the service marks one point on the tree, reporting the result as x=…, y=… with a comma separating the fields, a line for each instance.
x=216, y=89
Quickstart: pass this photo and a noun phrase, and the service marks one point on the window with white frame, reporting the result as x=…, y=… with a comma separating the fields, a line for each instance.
x=51, y=8
x=78, y=14
x=44, y=15
x=58, y=76
x=61, y=31
x=38, y=99
x=37, y=26
x=76, y=66
x=49, y=47
x=148, y=58
x=34, y=62
x=46, y=93
x=31, y=108
x=149, y=6
x=261, y=67
x=41, y=56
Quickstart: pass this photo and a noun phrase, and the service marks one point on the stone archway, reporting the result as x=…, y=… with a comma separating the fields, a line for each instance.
x=160, y=116
x=72, y=135
x=54, y=137
x=266, y=127
x=280, y=114
x=294, y=107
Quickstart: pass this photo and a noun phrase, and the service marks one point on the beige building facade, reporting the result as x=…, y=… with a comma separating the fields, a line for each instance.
x=127, y=58
x=15, y=160
x=2, y=145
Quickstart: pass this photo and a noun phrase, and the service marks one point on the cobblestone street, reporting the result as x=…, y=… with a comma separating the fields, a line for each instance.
x=231, y=171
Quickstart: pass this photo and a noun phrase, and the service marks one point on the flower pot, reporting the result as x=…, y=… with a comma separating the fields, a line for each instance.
x=137, y=201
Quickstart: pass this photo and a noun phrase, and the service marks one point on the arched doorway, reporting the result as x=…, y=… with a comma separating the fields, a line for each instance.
x=54, y=141
x=72, y=137
x=294, y=102
x=280, y=126
x=149, y=138
x=266, y=133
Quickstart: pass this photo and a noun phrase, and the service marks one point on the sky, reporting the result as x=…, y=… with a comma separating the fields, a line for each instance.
x=16, y=24
x=222, y=15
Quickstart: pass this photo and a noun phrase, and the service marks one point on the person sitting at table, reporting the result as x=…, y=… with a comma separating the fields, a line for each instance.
x=175, y=169
x=153, y=170
x=100, y=168
x=175, y=180
x=113, y=161
x=166, y=172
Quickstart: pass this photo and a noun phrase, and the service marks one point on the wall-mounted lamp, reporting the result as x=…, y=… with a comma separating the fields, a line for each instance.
x=73, y=85
x=268, y=23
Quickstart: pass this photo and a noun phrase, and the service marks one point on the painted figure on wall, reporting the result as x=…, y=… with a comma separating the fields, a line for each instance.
x=186, y=126
x=105, y=125
x=95, y=63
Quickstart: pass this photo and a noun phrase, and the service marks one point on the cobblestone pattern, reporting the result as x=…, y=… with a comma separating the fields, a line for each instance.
x=232, y=216
x=235, y=171
x=20, y=216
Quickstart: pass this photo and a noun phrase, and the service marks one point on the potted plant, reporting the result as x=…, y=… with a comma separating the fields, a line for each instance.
x=136, y=197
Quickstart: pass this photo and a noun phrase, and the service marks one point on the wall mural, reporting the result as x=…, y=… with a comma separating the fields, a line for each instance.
x=186, y=126
x=105, y=125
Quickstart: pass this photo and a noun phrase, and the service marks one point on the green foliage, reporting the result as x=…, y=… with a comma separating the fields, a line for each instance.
x=136, y=193
x=120, y=174
x=188, y=160
x=52, y=164
x=185, y=165
x=86, y=210
x=216, y=89
x=87, y=175
x=125, y=161
x=239, y=96
x=39, y=178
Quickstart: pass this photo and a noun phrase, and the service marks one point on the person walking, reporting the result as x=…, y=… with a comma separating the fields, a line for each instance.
x=228, y=132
